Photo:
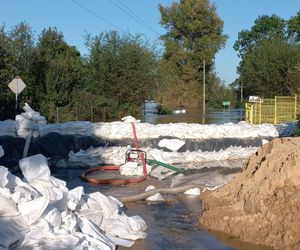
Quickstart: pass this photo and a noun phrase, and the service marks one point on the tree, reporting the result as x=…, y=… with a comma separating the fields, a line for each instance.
x=220, y=92
x=264, y=28
x=194, y=33
x=7, y=109
x=58, y=71
x=121, y=71
x=15, y=59
x=294, y=28
x=270, y=58
x=271, y=69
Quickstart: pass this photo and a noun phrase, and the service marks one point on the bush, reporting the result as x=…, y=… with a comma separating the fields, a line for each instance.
x=162, y=110
x=297, y=129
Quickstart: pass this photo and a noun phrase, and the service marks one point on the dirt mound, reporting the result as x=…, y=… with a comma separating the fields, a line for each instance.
x=261, y=204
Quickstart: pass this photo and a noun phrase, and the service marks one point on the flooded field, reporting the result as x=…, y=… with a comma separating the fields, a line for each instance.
x=194, y=115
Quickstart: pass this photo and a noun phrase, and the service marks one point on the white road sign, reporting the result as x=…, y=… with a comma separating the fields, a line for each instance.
x=17, y=85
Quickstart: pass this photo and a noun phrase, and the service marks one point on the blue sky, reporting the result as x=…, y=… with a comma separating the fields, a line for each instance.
x=75, y=22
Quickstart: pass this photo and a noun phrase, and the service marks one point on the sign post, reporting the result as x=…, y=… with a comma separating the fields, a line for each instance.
x=17, y=86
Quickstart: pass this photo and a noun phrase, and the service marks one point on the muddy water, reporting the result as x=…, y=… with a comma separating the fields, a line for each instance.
x=172, y=224
x=194, y=115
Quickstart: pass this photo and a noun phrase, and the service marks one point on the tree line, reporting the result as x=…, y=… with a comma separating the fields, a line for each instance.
x=270, y=57
x=120, y=70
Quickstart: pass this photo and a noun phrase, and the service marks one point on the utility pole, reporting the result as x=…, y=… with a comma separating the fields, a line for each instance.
x=203, y=98
x=241, y=115
x=241, y=93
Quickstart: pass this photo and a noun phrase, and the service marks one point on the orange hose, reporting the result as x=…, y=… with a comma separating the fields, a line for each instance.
x=84, y=176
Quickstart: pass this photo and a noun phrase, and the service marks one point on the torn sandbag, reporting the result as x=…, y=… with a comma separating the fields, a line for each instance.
x=47, y=213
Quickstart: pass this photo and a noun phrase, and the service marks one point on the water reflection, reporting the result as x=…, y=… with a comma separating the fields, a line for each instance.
x=194, y=115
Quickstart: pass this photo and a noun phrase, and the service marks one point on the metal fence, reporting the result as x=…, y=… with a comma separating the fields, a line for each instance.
x=277, y=110
x=80, y=113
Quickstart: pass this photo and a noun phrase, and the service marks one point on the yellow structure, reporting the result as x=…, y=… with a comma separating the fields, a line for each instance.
x=277, y=110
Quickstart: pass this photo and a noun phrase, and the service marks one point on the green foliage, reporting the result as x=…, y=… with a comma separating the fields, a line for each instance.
x=297, y=129
x=121, y=71
x=264, y=28
x=15, y=59
x=272, y=68
x=294, y=28
x=58, y=72
x=163, y=110
x=270, y=62
x=219, y=93
x=194, y=33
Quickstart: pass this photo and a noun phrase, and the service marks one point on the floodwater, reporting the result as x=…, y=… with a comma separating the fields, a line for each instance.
x=173, y=223
x=194, y=115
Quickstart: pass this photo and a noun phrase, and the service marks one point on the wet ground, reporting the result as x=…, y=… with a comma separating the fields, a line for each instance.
x=172, y=224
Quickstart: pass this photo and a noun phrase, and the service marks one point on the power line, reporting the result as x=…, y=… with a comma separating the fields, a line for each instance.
x=149, y=27
x=131, y=14
x=96, y=15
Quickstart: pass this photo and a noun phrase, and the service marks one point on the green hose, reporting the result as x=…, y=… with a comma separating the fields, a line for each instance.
x=153, y=162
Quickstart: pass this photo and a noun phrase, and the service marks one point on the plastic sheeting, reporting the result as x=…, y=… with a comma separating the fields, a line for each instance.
x=40, y=212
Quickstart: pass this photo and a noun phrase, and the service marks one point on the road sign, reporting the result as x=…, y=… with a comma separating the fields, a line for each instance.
x=254, y=98
x=226, y=103
x=17, y=85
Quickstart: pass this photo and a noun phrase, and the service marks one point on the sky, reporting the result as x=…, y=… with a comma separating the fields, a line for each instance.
x=76, y=18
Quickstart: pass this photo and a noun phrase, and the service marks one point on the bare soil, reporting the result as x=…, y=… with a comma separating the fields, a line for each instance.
x=261, y=204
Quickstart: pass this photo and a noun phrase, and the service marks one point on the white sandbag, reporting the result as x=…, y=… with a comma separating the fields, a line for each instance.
x=193, y=192
x=120, y=242
x=156, y=197
x=124, y=227
x=21, y=191
x=29, y=122
x=4, y=177
x=74, y=197
x=53, y=217
x=7, y=206
x=129, y=118
x=172, y=144
x=89, y=228
x=58, y=242
x=69, y=222
x=94, y=216
x=35, y=167
x=161, y=172
x=107, y=205
x=31, y=211
x=136, y=223
x=133, y=168
x=37, y=235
